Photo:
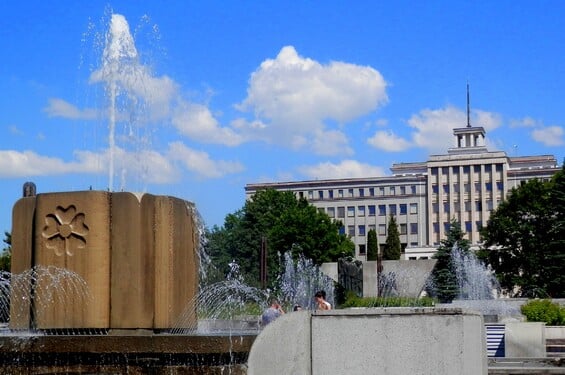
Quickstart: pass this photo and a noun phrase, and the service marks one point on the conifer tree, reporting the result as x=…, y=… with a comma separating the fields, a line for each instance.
x=372, y=245
x=392, y=244
x=445, y=286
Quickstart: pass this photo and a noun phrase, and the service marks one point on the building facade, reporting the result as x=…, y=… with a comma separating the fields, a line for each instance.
x=465, y=184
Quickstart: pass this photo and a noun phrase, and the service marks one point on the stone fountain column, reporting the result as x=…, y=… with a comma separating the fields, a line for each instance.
x=135, y=258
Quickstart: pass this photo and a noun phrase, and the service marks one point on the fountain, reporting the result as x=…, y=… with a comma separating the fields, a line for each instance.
x=99, y=279
x=227, y=306
x=300, y=280
x=134, y=101
x=479, y=288
x=106, y=282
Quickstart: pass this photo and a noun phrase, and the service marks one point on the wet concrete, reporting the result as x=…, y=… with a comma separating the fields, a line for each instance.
x=119, y=354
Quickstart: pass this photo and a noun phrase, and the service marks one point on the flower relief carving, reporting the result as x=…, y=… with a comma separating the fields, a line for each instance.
x=65, y=230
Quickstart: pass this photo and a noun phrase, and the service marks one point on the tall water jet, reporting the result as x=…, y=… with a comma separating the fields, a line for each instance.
x=119, y=54
x=479, y=288
x=300, y=281
x=474, y=280
x=131, y=93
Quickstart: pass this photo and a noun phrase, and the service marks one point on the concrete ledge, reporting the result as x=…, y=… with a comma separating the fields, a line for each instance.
x=376, y=311
x=145, y=354
x=523, y=366
x=440, y=341
x=524, y=339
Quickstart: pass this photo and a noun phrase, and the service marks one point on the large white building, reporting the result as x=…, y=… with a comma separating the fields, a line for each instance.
x=467, y=183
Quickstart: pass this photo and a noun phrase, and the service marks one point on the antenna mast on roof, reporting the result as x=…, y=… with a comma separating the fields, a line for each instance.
x=468, y=108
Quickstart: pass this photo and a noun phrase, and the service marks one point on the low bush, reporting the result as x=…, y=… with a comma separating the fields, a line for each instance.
x=355, y=301
x=543, y=310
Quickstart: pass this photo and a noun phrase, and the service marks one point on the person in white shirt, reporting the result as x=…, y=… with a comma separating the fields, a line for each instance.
x=321, y=302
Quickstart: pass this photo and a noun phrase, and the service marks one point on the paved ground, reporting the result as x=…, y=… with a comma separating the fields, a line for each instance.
x=523, y=366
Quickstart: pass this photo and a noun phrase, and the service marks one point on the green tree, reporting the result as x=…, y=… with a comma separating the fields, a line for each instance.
x=444, y=278
x=555, y=266
x=6, y=255
x=523, y=240
x=392, y=245
x=372, y=245
x=287, y=224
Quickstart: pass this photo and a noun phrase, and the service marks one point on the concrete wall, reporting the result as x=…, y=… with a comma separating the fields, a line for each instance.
x=330, y=270
x=554, y=332
x=524, y=340
x=370, y=341
x=411, y=275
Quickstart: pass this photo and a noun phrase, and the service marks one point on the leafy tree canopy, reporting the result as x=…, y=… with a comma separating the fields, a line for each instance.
x=6, y=254
x=286, y=224
x=524, y=239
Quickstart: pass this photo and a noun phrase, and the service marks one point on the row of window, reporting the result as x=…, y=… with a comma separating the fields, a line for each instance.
x=362, y=230
x=370, y=210
x=466, y=169
x=410, y=228
x=468, y=226
x=467, y=187
x=361, y=192
x=457, y=206
x=363, y=248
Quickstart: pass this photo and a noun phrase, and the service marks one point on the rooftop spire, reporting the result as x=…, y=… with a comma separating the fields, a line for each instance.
x=468, y=108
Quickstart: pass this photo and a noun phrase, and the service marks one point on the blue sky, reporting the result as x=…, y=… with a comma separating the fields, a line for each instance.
x=221, y=94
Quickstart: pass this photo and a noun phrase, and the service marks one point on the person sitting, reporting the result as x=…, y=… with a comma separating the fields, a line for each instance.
x=271, y=313
x=321, y=302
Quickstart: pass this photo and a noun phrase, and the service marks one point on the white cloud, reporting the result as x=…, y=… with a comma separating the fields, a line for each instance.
x=549, y=135
x=331, y=142
x=15, y=130
x=526, y=122
x=434, y=128
x=382, y=122
x=145, y=166
x=28, y=163
x=546, y=135
x=200, y=163
x=388, y=141
x=148, y=166
x=155, y=98
x=197, y=122
x=345, y=169
x=61, y=108
x=299, y=98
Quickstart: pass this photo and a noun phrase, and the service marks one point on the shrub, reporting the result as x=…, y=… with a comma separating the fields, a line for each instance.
x=543, y=310
x=355, y=301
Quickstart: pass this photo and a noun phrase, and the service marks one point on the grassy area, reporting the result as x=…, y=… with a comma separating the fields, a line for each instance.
x=354, y=301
